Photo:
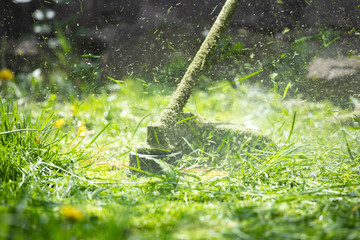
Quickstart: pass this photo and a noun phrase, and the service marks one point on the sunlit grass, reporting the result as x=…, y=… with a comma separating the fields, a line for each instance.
x=31, y=150
x=307, y=188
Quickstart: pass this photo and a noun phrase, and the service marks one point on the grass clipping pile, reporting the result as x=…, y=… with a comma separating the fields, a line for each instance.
x=177, y=132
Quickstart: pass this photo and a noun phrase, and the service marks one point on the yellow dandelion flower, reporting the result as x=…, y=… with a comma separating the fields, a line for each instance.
x=81, y=127
x=59, y=123
x=6, y=75
x=72, y=213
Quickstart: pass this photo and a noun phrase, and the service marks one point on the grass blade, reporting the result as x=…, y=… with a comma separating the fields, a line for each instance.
x=286, y=89
x=97, y=135
x=292, y=128
x=18, y=130
x=137, y=127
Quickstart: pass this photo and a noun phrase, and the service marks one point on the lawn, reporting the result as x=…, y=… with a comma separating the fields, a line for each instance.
x=65, y=175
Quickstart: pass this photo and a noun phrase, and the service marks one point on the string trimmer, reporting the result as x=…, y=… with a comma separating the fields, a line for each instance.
x=177, y=132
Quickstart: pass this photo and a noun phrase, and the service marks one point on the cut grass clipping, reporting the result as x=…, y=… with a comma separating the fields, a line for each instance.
x=32, y=150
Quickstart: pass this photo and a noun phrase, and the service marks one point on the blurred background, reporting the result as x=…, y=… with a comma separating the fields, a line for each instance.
x=69, y=48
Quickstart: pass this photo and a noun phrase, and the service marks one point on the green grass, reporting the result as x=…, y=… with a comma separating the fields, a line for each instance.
x=30, y=150
x=307, y=189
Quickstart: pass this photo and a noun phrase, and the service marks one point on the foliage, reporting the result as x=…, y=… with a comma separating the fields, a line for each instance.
x=307, y=188
x=62, y=71
x=59, y=178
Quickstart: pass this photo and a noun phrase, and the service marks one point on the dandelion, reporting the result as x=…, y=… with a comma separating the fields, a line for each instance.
x=59, y=123
x=71, y=213
x=6, y=75
x=81, y=128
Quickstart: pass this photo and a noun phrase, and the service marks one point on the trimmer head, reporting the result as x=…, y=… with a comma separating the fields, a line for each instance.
x=191, y=134
x=149, y=162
